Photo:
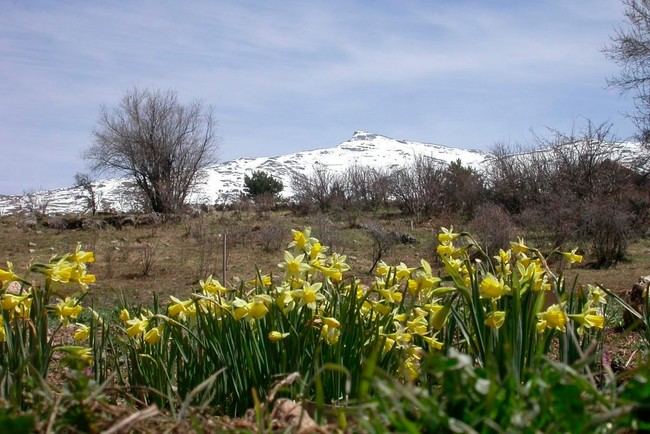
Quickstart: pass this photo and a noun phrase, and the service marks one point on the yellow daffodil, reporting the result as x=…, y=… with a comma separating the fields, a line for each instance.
x=294, y=265
x=302, y=240
x=8, y=275
x=402, y=271
x=446, y=249
x=257, y=308
x=447, y=235
x=212, y=286
x=596, y=296
x=331, y=322
x=503, y=262
x=433, y=342
x=495, y=319
x=181, y=308
x=3, y=332
x=590, y=317
x=284, y=299
x=553, y=318
x=389, y=343
x=380, y=307
x=401, y=336
x=81, y=333
x=276, y=336
x=310, y=294
x=240, y=308
x=439, y=316
x=519, y=246
x=493, y=288
x=81, y=353
x=392, y=294
x=339, y=262
x=153, y=335
x=423, y=279
x=10, y=301
x=124, y=315
x=382, y=269
x=330, y=334
x=81, y=256
x=410, y=368
x=61, y=271
x=572, y=257
x=68, y=309
x=316, y=251
x=418, y=326
x=137, y=326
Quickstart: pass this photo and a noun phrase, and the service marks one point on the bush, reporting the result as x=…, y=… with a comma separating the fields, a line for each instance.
x=493, y=227
x=261, y=183
x=417, y=187
x=322, y=189
x=608, y=228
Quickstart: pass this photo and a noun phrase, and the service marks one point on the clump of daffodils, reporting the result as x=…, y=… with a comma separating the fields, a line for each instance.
x=19, y=295
x=404, y=310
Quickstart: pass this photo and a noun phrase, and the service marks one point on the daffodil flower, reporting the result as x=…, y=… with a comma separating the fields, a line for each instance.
x=81, y=333
x=8, y=275
x=137, y=326
x=294, y=265
x=212, y=286
x=572, y=257
x=446, y=249
x=257, y=308
x=181, y=309
x=447, y=235
x=310, y=294
x=68, y=309
x=382, y=269
x=418, y=326
x=302, y=240
x=81, y=256
x=491, y=287
x=596, y=296
x=590, y=317
x=330, y=334
x=276, y=336
x=10, y=301
x=339, y=262
x=553, y=318
x=153, y=335
x=124, y=315
x=83, y=354
x=433, y=342
x=519, y=246
x=495, y=319
x=402, y=271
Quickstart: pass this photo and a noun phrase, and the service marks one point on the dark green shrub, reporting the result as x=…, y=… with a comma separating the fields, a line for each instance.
x=261, y=183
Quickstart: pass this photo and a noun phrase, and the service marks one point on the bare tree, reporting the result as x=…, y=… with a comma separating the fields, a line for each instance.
x=366, y=187
x=321, y=187
x=160, y=142
x=84, y=182
x=630, y=49
x=417, y=187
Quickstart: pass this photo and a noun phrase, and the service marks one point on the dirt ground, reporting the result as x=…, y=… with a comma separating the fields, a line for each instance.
x=170, y=258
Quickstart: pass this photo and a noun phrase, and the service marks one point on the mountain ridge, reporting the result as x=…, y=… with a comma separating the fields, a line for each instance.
x=223, y=182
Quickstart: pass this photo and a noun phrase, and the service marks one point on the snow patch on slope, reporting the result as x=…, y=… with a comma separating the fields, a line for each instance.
x=223, y=182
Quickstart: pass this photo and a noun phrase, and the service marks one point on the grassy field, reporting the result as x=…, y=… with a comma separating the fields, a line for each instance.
x=133, y=264
x=170, y=258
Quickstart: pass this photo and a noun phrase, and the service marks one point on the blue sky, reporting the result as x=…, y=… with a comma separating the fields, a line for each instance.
x=284, y=76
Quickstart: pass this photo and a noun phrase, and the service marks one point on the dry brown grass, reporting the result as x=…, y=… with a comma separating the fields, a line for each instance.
x=189, y=250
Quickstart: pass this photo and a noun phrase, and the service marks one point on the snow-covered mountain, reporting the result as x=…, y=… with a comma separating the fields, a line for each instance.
x=224, y=181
